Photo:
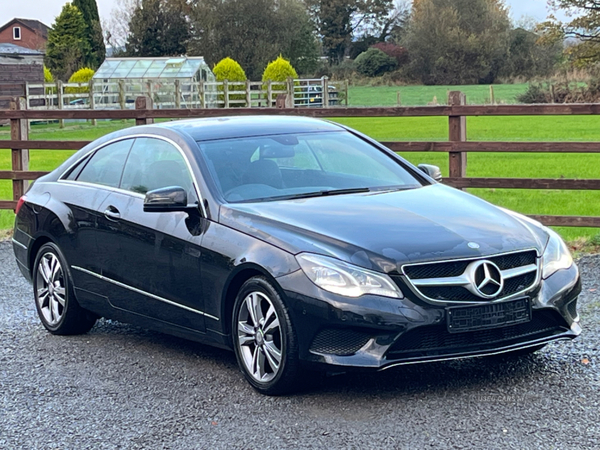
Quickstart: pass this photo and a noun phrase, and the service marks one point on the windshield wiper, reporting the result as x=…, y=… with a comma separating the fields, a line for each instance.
x=323, y=193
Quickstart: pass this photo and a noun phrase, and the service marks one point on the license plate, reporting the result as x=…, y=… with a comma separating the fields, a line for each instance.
x=495, y=315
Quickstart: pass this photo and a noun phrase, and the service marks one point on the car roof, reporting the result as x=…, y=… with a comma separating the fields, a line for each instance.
x=249, y=126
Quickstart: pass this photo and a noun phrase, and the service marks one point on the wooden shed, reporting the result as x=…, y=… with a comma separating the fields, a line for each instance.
x=18, y=65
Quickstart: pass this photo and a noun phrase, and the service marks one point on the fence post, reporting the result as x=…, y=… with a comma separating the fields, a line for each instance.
x=492, y=97
x=281, y=100
x=457, y=126
x=248, y=95
x=226, y=93
x=269, y=94
x=346, y=90
x=143, y=104
x=59, y=97
x=177, y=94
x=201, y=96
x=122, y=93
x=325, y=92
x=289, y=87
x=92, y=101
x=27, y=105
x=20, y=157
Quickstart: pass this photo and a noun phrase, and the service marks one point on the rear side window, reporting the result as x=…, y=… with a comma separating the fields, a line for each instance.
x=105, y=167
x=154, y=164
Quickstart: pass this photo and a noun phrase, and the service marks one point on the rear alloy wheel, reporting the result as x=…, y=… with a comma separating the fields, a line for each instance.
x=55, y=301
x=264, y=338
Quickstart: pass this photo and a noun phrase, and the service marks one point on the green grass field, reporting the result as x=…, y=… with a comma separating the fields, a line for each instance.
x=423, y=95
x=559, y=128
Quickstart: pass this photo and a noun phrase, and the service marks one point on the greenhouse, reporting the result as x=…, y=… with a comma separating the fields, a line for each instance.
x=170, y=82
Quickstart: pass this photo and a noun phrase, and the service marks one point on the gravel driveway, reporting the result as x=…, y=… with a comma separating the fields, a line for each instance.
x=124, y=387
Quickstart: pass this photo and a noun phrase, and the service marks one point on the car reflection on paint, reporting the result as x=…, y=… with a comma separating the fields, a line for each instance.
x=298, y=243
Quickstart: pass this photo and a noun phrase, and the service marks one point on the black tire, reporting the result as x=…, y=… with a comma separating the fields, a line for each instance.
x=55, y=300
x=262, y=340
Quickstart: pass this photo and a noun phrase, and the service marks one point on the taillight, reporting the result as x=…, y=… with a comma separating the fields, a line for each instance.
x=19, y=204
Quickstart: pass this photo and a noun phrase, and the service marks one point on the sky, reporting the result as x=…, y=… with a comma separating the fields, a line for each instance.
x=47, y=10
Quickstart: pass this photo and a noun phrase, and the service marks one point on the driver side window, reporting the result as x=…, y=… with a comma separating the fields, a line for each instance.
x=154, y=164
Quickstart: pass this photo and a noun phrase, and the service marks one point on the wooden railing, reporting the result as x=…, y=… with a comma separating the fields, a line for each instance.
x=457, y=146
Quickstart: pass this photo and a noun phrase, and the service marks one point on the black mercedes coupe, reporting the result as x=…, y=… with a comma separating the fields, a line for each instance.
x=298, y=243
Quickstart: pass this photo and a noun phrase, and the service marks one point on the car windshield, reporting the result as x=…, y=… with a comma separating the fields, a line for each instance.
x=292, y=166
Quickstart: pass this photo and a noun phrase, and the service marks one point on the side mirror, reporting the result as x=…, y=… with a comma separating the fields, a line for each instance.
x=431, y=170
x=172, y=198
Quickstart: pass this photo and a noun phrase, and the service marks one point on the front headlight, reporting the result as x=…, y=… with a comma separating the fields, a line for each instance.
x=556, y=256
x=346, y=279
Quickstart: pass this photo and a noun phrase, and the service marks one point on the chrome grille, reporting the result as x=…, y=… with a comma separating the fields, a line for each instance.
x=448, y=281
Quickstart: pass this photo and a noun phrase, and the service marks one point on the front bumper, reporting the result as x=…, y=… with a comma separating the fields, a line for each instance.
x=378, y=333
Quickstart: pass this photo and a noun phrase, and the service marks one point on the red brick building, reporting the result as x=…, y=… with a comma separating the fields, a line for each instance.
x=26, y=33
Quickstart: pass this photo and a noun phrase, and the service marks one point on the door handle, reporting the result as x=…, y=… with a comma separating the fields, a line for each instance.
x=112, y=213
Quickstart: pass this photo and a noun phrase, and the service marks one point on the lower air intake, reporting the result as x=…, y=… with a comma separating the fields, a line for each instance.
x=339, y=342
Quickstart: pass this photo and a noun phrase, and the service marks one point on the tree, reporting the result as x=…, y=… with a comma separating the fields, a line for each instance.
x=336, y=21
x=584, y=27
x=158, y=28
x=531, y=55
x=457, y=41
x=67, y=43
x=116, y=27
x=253, y=32
x=97, y=53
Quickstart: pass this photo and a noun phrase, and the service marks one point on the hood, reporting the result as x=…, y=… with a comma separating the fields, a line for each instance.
x=384, y=230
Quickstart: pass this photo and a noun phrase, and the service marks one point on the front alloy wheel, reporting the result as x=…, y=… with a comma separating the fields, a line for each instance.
x=264, y=338
x=259, y=337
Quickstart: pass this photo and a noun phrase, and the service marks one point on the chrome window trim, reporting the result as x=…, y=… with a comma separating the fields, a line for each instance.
x=103, y=186
x=139, y=291
x=134, y=137
x=415, y=290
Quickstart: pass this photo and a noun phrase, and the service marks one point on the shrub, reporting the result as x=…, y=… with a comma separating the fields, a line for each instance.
x=374, y=62
x=278, y=70
x=535, y=93
x=230, y=70
x=81, y=76
x=48, y=78
x=564, y=92
x=400, y=54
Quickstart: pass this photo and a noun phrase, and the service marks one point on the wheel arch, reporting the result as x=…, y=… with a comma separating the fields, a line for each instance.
x=37, y=243
x=236, y=280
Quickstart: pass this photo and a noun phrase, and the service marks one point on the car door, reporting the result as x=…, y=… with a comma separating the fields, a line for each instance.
x=83, y=190
x=152, y=259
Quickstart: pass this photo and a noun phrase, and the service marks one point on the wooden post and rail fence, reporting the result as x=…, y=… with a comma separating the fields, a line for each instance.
x=457, y=145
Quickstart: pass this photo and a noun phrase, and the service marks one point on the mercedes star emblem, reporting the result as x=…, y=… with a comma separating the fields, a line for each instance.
x=486, y=279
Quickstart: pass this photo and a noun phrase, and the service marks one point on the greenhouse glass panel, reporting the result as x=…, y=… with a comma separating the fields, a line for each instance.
x=172, y=68
x=107, y=69
x=189, y=68
x=140, y=68
x=124, y=68
x=155, y=69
